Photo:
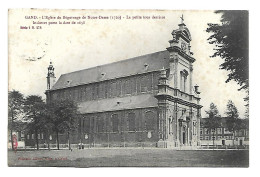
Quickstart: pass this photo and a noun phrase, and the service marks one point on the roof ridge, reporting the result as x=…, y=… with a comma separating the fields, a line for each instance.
x=112, y=62
x=123, y=68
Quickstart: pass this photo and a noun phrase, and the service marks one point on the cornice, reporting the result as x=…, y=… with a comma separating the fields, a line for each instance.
x=181, y=53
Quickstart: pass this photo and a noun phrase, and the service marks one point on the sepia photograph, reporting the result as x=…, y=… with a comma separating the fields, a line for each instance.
x=128, y=88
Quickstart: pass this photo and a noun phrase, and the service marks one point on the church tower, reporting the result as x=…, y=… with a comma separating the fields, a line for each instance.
x=50, y=77
x=178, y=99
x=50, y=82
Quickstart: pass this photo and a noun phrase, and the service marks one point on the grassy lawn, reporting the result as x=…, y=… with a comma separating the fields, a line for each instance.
x=130, y=157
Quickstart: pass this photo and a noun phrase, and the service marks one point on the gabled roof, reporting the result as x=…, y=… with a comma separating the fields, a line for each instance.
x=114, y=104
x=132, y=66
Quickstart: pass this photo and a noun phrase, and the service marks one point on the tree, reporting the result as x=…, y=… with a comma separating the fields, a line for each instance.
x=63, y=116
x=231, y=44
x=213, y=111
x=34, y=109
x=214, y=119
x=15, y=105
x=246, y=99
x=233, y=121
x=231, y=110
x=233, y=115
x=245, y=124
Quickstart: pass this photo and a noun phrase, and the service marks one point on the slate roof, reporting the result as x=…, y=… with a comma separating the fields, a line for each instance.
x=132, y=66
x=114, y=104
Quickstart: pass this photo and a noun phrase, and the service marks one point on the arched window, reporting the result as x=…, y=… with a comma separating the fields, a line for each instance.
x=86, y=125
x=106, y=90
x=127, y=86
x=144, y=83
x=184, y=83
x=118, y=87
x=133, y=84
x=115, y=123
x=113, y=88
x=100, y=124
x=131, y=121
x=183, y=80
x=150, y=121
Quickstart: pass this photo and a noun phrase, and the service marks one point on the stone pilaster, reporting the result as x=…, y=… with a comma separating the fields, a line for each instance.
x=191, y=73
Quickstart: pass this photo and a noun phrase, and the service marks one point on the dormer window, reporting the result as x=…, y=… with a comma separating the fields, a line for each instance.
x=146, y=66
x=68, y=82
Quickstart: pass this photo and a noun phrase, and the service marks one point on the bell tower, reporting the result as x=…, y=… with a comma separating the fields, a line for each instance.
x=50, y=77
x=181, y=60
x=178, y=99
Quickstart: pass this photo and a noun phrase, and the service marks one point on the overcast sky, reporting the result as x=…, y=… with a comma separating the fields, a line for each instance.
x=76, y=47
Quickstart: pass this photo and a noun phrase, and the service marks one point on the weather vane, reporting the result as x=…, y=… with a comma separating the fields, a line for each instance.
x=182, y=19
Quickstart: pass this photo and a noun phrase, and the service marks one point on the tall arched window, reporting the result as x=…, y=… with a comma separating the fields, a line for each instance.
x=144, y=83
x=118, y=87
x=86, y=125
x=115, y=123
x=150, y=120
x=183, y=80
x=131, y=121
x=113, y=88
x=100, y=124
x=184, y=83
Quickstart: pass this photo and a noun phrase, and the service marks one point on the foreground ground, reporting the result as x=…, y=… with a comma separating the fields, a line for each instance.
x=130, y=157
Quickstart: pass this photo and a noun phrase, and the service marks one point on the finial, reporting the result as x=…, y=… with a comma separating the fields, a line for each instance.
x=182, y=19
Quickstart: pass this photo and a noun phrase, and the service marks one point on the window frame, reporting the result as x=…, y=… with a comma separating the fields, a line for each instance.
x=113, y=121
x=131, y=122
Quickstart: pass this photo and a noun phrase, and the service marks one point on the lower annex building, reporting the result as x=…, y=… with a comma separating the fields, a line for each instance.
x=146, y=101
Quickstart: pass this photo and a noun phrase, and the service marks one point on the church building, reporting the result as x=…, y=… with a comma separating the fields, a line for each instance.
x=146, y=101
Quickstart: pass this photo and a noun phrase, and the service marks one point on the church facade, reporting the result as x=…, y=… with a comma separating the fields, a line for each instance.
x=146, y=101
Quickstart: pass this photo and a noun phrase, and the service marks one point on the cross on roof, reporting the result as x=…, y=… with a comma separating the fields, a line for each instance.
x=182, y=19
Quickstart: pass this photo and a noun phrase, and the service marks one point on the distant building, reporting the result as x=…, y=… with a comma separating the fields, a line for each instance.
x=148, y=100
x=221, y=135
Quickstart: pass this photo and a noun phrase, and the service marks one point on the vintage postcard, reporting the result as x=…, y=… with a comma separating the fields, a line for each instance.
x=128, y=88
